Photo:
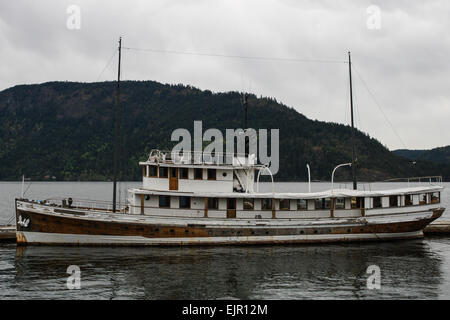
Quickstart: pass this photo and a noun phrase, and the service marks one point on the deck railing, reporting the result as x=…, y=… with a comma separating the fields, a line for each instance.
x=201, y=157
x=84, y=204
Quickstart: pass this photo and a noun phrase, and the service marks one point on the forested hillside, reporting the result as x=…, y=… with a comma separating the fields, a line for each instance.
x=64, y=131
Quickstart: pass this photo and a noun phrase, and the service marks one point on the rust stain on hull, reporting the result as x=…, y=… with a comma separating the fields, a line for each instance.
x=47, y=223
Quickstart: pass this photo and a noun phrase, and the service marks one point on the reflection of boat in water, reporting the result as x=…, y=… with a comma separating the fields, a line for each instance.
x=410, y=269
x=193, y=199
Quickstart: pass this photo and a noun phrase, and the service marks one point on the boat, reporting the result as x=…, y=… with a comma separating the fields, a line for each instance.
x=192, y=199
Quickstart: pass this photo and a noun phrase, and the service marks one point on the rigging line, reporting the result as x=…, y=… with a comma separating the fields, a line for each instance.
x=107, y=65
x=235, y=56
x=378, y=105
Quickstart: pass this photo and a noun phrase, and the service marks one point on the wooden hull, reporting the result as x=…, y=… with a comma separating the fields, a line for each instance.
x=40, y=225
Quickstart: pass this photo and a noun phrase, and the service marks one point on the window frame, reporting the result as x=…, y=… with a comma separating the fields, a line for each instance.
x=263, y=201
x=162, y=169
x=195, y=173
x=249, y=200
x=189, y=202
x=162, y=197
x=288, y=206
x=150, y=171
x=298, y=205
x=183, y=170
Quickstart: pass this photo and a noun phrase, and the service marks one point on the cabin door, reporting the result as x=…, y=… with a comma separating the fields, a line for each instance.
x=231, y=208
x=173, y=179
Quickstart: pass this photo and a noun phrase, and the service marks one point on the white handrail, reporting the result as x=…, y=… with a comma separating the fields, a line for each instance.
x=332, y=174
x=271, y=176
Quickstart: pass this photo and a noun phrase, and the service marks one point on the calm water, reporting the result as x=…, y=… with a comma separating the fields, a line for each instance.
x=416, y=269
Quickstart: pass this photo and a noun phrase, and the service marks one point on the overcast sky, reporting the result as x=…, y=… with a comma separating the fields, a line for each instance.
x=403, y=57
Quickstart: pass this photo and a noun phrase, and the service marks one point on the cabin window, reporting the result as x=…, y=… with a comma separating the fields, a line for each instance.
x=213, y=203
x=198, y=174
x=152, y=172
x=435, y=197
x=249, y=204
x=318, y=204
x=231, y=203
x=302, y=204
x=357, y=203
x=423, y=198
x=163, y=172
x=211, y=174
x=266, y=204
x=324, y=203
x=184, y=173
x=377, y=202
x=285, y=204
x=393, y=201
x=339, y=203
x=408, y=200
x=185, y=202
x=164, y=201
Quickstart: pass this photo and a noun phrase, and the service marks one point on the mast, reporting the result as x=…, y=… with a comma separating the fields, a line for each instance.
x=353, y=128
x=245, y=105
x=116, y=130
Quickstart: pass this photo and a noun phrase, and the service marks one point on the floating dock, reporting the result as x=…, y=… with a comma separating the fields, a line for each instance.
x=437, y=227
x=7, y=234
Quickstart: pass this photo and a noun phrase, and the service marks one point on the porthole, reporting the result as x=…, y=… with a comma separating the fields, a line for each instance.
x=224, y=174
x=147, y=197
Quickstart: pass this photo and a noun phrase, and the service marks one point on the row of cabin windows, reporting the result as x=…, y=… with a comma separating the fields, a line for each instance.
x=182, y=173
x=424, y=198
x=302, y=204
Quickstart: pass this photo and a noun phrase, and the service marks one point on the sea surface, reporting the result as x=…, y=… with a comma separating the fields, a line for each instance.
x=409, y=269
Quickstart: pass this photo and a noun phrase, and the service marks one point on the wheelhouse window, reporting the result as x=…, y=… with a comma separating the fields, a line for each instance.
x=152, y=172
x=393, y=201
x=435, y=197
x=198, y=174
x=377, y=202
x=339, y=203
x=163, y=172
x=266, y=204
x=164, y=201
x=185, y=202
x=184, y=173
x=211, y=174
x=249, y=204
x=357, y=202
x=302, y=204
x=213, y=203
x=408, y=200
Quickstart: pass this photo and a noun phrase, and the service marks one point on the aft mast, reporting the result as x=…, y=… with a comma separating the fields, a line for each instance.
x=353, y=128
x=116, y=130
